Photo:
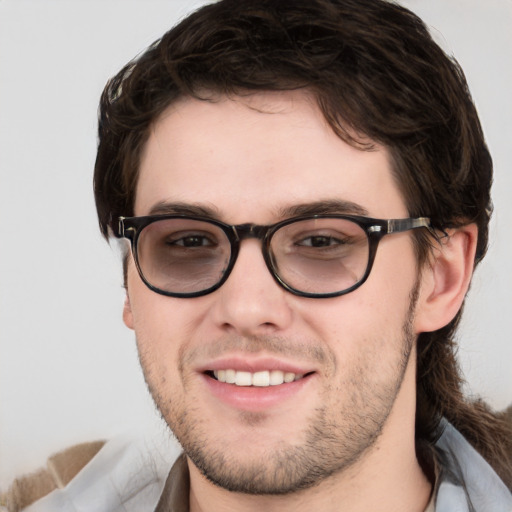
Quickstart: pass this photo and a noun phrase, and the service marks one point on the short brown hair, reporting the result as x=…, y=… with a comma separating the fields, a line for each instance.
x=374, y=70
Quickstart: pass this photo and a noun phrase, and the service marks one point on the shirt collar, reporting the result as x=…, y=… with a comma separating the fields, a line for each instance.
x=175, y=496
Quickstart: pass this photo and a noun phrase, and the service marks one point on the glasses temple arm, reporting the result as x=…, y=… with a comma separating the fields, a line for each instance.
x=399, y=225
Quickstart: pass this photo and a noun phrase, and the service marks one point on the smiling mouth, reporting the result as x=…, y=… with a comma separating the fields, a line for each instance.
x=261, y=379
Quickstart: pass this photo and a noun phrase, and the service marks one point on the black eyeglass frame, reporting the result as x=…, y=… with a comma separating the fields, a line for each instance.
x=375, y=229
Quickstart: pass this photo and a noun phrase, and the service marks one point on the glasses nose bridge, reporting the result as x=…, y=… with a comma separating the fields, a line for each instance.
x=245, y=231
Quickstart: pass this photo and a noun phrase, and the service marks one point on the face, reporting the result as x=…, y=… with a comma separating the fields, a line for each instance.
x=253, y=160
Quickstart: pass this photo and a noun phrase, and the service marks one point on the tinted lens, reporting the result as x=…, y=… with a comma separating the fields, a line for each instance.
x=320, y=256
x=182, y=255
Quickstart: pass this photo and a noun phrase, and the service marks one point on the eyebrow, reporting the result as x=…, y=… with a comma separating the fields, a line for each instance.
x=324, y=207
x=194, y=210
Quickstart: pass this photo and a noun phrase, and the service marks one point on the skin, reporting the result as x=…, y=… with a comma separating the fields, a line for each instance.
x=350, y=424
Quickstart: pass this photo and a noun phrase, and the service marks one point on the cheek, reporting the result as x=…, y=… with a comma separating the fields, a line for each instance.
x=392, y=283
x=369, y=320
x=158, y=338
x=358, y=317
x=163, y=326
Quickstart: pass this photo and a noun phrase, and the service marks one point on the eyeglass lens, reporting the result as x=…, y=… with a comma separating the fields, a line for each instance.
x=319, y=256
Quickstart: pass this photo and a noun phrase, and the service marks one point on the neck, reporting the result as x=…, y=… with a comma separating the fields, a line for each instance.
x=387, y=478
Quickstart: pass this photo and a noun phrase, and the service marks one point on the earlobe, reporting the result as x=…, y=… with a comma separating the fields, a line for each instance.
x=127, y=312
x=446, y=278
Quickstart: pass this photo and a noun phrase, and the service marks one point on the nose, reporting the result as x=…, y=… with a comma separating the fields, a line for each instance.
x=250, y=302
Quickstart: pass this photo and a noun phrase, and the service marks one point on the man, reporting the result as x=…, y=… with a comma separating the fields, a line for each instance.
x=304, y=187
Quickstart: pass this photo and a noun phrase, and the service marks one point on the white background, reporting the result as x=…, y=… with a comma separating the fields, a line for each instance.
x=68, y=366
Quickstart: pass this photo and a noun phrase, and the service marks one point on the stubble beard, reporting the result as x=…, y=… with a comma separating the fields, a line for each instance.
x=333, y=442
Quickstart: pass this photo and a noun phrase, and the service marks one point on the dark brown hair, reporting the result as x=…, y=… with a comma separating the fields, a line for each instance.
x=373, y=70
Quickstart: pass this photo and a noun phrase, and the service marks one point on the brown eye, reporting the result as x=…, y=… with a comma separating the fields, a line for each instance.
x=320, y=241
x=192, y=241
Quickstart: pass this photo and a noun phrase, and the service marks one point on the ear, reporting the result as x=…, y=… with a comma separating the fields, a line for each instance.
x=127, y=312
x=445, y=279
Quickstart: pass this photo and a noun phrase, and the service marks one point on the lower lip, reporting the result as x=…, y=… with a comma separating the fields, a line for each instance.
x=254, y=398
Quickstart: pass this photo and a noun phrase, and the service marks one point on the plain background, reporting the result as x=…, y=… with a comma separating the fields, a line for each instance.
x=68, y=366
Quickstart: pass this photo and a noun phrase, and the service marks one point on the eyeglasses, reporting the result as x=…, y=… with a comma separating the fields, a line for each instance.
x=316, y=256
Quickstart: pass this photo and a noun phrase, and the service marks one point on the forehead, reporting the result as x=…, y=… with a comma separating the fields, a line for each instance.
x=249, y=157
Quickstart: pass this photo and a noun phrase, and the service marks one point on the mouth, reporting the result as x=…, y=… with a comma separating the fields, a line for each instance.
x=257, y=385
x=261, y=379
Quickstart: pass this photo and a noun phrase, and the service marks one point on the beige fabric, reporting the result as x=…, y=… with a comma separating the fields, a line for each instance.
x=60, y=469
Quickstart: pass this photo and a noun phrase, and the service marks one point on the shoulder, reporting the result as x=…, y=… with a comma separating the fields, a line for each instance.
x=125, y=473
x=60, y=469
x=466, y=478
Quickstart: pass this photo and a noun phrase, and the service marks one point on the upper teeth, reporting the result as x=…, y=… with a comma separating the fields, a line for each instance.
x=261, y=379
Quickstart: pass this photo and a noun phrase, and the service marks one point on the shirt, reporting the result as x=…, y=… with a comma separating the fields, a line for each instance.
x=152, y=476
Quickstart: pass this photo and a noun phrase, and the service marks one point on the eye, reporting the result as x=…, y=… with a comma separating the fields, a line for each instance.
x=190, y=239
x=320, y=241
